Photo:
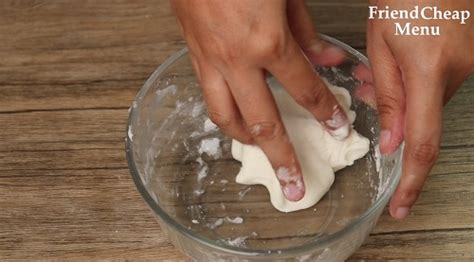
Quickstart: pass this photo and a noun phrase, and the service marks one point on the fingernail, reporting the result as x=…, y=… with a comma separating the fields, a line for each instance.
x=334, y=50
x=338, y=125
x=291, y=183
x=293, y=192
x=401, y=213
x=326, y=55
x=317, y=47
x=328, y=49
x=365, y=92
x=385, y=139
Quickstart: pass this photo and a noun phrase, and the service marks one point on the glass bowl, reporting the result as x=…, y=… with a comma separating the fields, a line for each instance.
x=208, y=216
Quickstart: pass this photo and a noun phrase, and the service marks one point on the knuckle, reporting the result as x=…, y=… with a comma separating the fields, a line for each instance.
x=245, y=139
x=265, y=130
x=387, y=105
x=425, y=153
x=410, y=195
x=230, y=54
x=206, y=82
x=272, y=45
x=221, y=120
x=266, y=46
x=223, y=52
x=310, y=97
x=434, y=68
x=231, y=126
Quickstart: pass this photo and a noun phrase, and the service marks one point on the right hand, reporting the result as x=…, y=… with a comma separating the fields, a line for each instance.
x=232, y=44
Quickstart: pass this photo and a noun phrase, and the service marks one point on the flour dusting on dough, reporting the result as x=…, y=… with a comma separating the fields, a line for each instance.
x=319, y=153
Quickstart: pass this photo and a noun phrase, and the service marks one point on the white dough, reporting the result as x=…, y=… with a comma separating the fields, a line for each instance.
x=320, y=155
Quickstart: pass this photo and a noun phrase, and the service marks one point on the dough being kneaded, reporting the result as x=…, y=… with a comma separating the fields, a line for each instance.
x=320, y=155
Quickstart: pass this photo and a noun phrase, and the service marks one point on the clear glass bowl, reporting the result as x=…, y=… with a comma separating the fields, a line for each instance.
x=208, y=215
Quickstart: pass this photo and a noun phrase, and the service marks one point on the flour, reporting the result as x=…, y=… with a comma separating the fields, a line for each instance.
x=216, y=224
x=199, y=192
x=237, y=242
x=162, y=93
x=211, y=147
x=197, y=109
x=244, y=192
x=202, y=173
x=203, y=169
x=377, y=158
x=235, y=220
x=209, y=126
x=130, y=133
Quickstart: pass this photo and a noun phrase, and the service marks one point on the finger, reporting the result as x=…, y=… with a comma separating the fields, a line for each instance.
x=366, y=90
x=366, y=93
x=260, y=113
x=195, y=65
x=220, y=104
x=318, y=51
x=298, y=77
x=362, y=73
x=389, y=94
x=423, y=133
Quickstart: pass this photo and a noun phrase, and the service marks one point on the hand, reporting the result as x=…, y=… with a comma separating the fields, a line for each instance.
x=232, y=45
x=414, y=77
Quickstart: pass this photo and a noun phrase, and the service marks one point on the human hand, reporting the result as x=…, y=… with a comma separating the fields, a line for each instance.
x=232, y=45
x=414, y=76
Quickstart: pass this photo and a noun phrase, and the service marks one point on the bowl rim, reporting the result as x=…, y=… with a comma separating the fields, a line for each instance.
x=220, y=245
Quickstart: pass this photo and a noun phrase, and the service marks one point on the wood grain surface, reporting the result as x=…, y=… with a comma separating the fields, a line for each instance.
x=68, y=73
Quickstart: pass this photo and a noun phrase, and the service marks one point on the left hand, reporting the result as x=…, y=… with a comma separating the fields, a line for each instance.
x=414, y=76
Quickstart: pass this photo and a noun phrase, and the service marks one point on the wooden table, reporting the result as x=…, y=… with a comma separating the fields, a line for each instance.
x=68, y=73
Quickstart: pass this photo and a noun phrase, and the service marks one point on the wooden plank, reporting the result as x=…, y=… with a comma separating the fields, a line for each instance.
x=442, y=245
x=94, y=139
x=84, y=41
x=458, y=118
x=91, y=48
x=22, y=128
x=349, y=28
x=441, y=210
x=112, y=216
x=444, y=200
x=72, y=137
x=80, y=214
x=94, y=95
x=63, y=130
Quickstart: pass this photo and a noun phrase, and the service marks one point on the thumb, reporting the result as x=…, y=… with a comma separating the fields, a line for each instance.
x=318, y=51
x=389, y=92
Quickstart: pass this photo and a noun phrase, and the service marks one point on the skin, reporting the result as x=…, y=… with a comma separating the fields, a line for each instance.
x=410, y=80
x=233, y=44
